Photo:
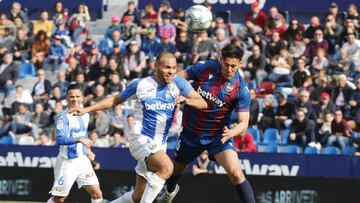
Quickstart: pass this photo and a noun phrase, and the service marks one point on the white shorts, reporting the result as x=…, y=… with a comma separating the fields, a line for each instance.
x=67, y=171
x=141, y=147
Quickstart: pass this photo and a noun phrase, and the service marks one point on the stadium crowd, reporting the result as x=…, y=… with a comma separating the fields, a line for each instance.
x=304, y=79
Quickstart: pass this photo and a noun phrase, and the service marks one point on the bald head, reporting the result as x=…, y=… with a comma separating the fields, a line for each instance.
x=164, y=56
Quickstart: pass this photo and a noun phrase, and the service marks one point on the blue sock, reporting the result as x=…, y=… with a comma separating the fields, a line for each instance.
x=171, y=183
x=245, y=192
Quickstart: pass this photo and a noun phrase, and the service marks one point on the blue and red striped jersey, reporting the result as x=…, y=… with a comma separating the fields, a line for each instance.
x=222, y=96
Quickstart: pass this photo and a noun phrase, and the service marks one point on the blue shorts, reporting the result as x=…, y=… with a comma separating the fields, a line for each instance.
x=191, y=146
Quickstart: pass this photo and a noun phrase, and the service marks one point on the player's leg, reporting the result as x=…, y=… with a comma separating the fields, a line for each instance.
x=229, y=160
x=95, y=193
x=161, y=167
x=133, y=196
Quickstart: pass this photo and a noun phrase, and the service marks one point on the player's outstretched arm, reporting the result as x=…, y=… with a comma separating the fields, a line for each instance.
x=106, y=103
x=239, y=129
x=193, y=99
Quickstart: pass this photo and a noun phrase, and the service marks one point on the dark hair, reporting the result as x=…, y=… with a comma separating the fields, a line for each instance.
x=73, y=86
x=130, y=115
x=232, y=51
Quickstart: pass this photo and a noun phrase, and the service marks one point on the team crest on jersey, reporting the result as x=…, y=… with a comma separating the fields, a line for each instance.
x=59, y=125
x=152, y=146
x=211, y=76
x=58, y=189
x=229, y=87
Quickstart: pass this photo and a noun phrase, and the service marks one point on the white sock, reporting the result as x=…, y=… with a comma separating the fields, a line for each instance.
x=152, y=189
x=96, y=200
x=126, y=198
x=50, y=200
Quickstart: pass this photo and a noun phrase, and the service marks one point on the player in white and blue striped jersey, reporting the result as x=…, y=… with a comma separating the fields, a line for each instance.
x=156, y=99
x=73, y=162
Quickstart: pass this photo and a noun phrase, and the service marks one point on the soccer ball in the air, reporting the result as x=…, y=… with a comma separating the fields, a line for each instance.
x=198, y=18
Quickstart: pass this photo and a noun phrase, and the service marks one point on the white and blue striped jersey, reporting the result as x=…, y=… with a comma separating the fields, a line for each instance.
x=155, y=105
x=69, y=129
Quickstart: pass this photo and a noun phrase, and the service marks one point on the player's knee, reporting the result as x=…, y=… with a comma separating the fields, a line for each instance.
x=58, y=199
x=166, y=170
x=97, y=194
x=236, y=175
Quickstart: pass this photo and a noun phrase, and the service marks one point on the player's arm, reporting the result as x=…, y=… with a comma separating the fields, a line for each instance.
x=193, y=72
x=193, y=99
x=108, y=102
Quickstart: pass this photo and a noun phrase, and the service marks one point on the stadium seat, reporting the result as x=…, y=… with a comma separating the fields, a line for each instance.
x=270, y=136
x=311, y=150
x=271, y=148
x=285, y=135
x=26, y=140
x=27, y=69
x=6, y=140
x=292, y=149
x=255, y=134
x=349, y=150
x=331, y=150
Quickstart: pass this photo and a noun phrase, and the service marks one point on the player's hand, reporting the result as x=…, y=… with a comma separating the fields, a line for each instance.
x=180, y=100
x=86, y=142
x=90, y=154
x=226, y=135
x=78, y=111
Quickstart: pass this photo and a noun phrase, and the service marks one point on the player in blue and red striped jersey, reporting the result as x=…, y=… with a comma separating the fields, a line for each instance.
x=224, y=90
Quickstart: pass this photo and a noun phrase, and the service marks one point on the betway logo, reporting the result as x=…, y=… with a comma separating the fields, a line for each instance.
x=210, y=97
x=262, y=2
x=160, y=106
x=16, y=159
x=264, y=169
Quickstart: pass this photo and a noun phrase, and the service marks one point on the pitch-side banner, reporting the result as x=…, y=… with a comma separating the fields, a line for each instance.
x=264, y=164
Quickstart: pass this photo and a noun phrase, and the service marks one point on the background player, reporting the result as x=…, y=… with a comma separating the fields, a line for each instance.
x=156, y=99
x=72, y=163
x=221, y=85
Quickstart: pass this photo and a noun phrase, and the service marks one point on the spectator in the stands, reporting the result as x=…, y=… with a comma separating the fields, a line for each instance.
x=245, y=143
x=300, y=73
x=115, y=84
x=42, y=88
x=325, y=105
x=20, y=124
x=256, y=16
x=203, y=47
x=183, y=49
x=134, y=61
x=39, y=119
x=117, y=123
x=19, y=24
x=150, y=13
x=9, y=73
x=203, y=164
x=44, y=139
x=319, y=63
x=282, y=65
x=352, y=46
x=43, y=24
x=298, y=47
x=274, y=46
x=355, y=100
x=304, y=105
x=256, y=65
x=317, y=42
x=56, y=54
x=22, y=46
x=151, y=44
x=167, y=28
x=301, y=130
x=60, y=13
x=270, y=19
x=254, y=108
x=106, y=45
x=340, y=131
x=321, y=86
x=267, y=120
x=220, y=40
x=324, y=131
x=285, y=113
x=341, y=94
x=12, y=102
x=167, y=45
x=341, y=65
x=353, y=15
x=56, y=97
x=16, y=11
x=72, y=69
x=279, y=26
x=114, y=68
x=132, y=11
x=332, y=32
x=62, y=83
x=115, y=25
x=78, y=22
x=129, y=126
x=293, y=31
x=40, y=49
x=127, y=29
x=310, y=31
x=334, y=11
x=89, y=57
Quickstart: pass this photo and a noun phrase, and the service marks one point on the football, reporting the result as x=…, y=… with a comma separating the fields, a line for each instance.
x=198, y=18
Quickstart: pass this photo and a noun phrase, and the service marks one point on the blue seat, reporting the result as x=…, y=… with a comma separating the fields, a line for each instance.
x=292, y=149
x=27, y=69
x=255, y=134
x=331, y=150
x=311, y=150
x=349, y=150
x=271, y=148
x=6, y=140
x=285, y=135
x=270, y=136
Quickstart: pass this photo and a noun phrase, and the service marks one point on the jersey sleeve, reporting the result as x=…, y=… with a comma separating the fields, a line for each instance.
x=193, y=72
x=243, y=99
x=62, y=131
x=183, y=85
x=130, y=90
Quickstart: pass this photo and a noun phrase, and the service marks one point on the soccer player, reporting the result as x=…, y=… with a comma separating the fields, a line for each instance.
x=156, y=99
x=73, y=162
x=221, y=85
